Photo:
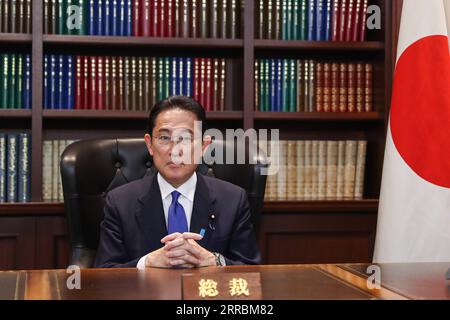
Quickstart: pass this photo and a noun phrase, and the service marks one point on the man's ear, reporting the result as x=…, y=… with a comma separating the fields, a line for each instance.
x=148, y=143
x=207, y=140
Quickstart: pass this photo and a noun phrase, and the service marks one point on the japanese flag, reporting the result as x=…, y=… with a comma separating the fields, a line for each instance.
x=414, y=212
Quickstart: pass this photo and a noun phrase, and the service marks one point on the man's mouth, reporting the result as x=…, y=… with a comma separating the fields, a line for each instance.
x=174, y=165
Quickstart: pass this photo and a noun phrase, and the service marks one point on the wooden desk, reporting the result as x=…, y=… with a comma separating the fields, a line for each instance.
x=290, y=282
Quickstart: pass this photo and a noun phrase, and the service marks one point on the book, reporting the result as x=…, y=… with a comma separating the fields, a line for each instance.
x=360, y=169
x=3, y=153
x=11, y=167
x=24, y=168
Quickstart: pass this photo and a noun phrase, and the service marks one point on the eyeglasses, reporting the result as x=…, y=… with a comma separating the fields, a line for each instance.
x=164, y=140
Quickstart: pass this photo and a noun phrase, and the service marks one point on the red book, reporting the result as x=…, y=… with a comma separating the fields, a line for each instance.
x=209, y=84
x=170, y=18
x=336, y=17
x=156, y=17
x=145, y=17
x=343, y=20
x=356, y=20
x=78, y=82
x=85, y=82
x=100, y=83
x=326, y=100
x=162, y=21
x=350, y=19
x=363, y=17
x=195, y=82
x=202, y=82
x=319, y=87
x=93, y=94
x=136, y=19
x=152, y=17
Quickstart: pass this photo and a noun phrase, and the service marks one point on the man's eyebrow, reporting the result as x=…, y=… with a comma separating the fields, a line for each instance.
x=164, y=130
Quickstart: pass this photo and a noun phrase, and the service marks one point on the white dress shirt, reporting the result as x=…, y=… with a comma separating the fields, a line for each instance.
x=186, y=199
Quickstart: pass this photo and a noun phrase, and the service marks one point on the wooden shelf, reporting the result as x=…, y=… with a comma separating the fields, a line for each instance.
x=319, y=45
x=15, y=38
x=15, y=113
x=32, y=209
x=319, y=116
x=357, y=206
x=102, y=41
x=334, y=206
x=128, y=115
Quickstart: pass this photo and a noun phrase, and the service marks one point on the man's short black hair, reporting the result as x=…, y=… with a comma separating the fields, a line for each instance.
x=176, y=102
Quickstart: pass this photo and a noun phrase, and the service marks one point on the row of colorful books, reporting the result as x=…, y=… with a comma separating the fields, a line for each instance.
x=315, y=20
x=131, y=83
x=289, y=85
x=148, y=18
x=15, y=16
x=317, y=170
x=51, y=173
x=15, y=167
x=15, y=81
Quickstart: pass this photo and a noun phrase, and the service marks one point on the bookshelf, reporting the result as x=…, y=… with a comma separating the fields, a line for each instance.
x=325, y=221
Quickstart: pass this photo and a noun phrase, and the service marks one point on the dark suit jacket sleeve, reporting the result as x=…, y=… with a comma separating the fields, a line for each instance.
x=111, y=251
x=243, y=248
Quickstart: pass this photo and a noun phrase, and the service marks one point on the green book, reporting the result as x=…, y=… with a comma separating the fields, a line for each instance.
x=292, y=86
x=284, y=23
x=302, y=23
x=294, y=22
x=18, y=89
x=261, y=84
x=12, y=82
x=285, y=86
x=167, y=78
x=60, y=17
x=159, y=72
x=2, y=91
x=83, y=8
x=289, y=9
x=4, y=83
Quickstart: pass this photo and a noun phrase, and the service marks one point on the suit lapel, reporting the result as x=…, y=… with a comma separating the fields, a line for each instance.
x=150, y=213
x=202, y=209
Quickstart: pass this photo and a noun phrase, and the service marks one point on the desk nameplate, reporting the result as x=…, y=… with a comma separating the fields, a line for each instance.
x=222, y=286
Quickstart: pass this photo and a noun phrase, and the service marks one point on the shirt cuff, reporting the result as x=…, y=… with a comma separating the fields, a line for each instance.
x=141, y=263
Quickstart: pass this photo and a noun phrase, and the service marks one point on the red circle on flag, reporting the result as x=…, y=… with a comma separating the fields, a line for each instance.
x=420, y=110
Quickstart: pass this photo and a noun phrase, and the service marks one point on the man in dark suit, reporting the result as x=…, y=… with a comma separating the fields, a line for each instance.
x=176, y=217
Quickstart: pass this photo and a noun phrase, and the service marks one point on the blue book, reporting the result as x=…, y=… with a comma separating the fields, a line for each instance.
x=2, y=167
x=279, y=83
x=68, y=83
x=24, y=168
x=46, y=81
x=179, y=76
x=190, y=75
x=285, y=67
x=113, y=16
x=121, y=20
x=90, y=30
x=26, y=82
x=172, y=74
x=327, y=20
x=311, y=19
x=11, y=167
x=105, y=17
x=60, y=96
x=186, y=72
x=62, y=90
x=52, y=82
x=273, y=76
x=319, y=20
x=99, y=18
x=128, y=9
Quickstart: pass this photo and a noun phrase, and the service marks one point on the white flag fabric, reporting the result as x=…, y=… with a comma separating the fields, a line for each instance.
x=414, y=211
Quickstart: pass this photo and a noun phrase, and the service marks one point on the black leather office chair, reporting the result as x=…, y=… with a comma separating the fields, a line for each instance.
x=91, y=168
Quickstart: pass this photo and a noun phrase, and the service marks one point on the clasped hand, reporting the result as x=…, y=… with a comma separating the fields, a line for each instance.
x=180, y=250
